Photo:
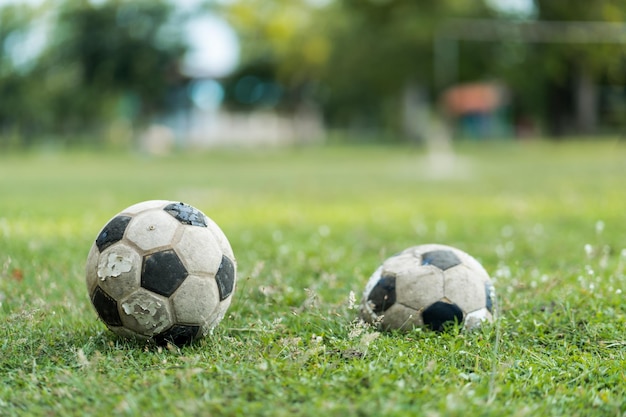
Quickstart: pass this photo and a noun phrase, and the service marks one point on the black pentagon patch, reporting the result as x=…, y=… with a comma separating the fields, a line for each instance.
x=162, y=272
x=106, y=307
x=186, y=214
x=178, y=335
x=383, y=295
x=442, y=259
x=490, y=293
x=439, y=314
x=112, y=232
x=225, y=277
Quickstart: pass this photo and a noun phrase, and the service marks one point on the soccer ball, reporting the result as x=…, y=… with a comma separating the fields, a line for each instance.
x=428, y=286
x=161, y=270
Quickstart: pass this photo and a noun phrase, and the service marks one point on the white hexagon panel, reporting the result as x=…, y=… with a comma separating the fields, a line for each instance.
x=152, y=229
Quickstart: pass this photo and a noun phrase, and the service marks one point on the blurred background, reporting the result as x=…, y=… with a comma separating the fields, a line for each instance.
x=160, y=75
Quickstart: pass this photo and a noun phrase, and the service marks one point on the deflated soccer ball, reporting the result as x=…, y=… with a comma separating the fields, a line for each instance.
x=161, y=270
x=428, y=286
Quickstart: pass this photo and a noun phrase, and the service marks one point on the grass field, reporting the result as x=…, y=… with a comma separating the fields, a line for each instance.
x=308, y=227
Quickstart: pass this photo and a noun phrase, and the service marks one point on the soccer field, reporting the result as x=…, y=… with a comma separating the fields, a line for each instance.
x=308, y=226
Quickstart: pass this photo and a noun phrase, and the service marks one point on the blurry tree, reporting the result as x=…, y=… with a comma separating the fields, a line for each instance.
x=362, y=59
x=573, y=72
x=285, y=43
x=20, y=97
x=121, y=56
x=357, y=58
x=564, y=81
x=102, y=62
x=383, y=54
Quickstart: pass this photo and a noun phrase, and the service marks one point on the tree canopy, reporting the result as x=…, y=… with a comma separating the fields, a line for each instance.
x=101, y=62
x=564, y=63
x=368, y=52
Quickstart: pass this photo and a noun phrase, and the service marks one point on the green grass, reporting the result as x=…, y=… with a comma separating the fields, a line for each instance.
x=308, y=227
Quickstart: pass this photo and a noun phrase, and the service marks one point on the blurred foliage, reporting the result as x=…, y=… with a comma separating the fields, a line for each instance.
x=386, y=47
x=354, y=60
x=101, y=63
x=544, y=76
x=117, y=50
x=353, y=57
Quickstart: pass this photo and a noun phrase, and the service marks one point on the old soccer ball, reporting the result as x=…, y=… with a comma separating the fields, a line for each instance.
x=161, y=270
x=428, y=286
